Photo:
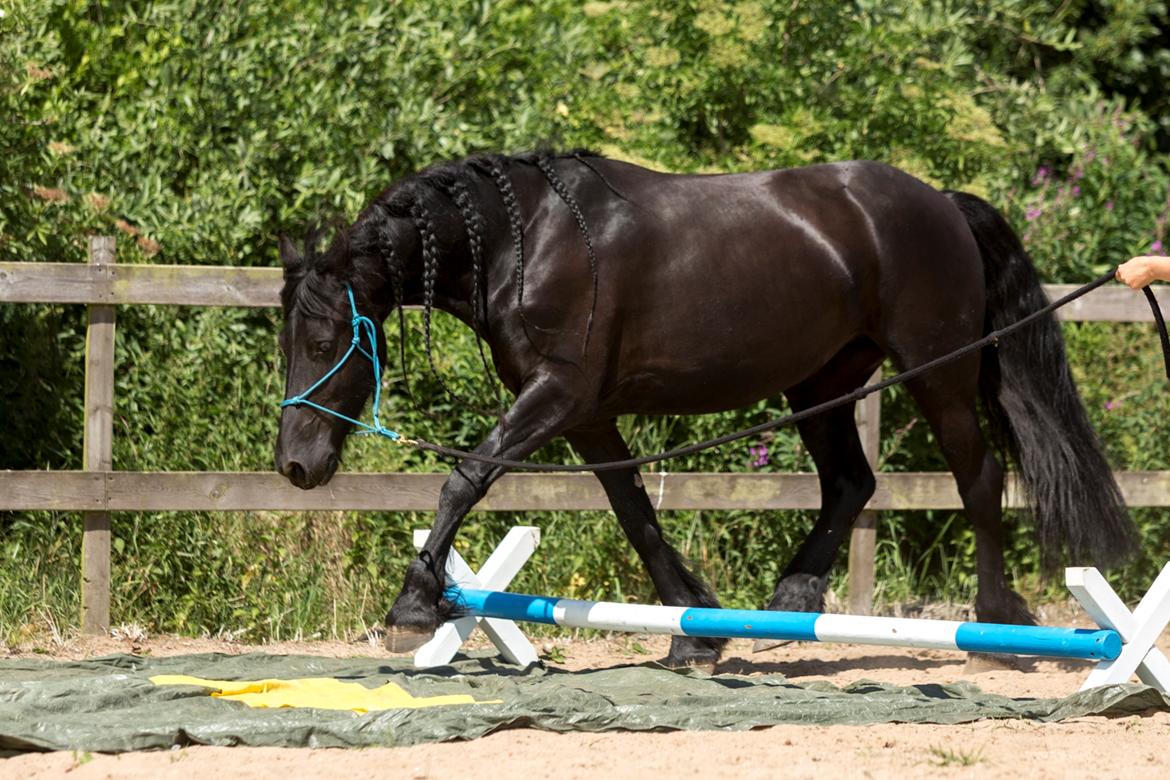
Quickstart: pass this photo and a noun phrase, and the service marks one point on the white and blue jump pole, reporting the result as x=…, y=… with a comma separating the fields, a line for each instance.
x=1124, y=644
x=1094, y=644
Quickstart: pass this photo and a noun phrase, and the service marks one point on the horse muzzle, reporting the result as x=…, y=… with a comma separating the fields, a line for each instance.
x=307, y=475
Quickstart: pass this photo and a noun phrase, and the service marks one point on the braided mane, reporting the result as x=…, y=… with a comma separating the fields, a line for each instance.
x=417, y=198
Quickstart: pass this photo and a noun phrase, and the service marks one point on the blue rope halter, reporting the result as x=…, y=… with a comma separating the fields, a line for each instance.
x=361, y=325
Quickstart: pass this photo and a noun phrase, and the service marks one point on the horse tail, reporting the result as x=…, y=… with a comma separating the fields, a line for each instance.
x=1033, y=410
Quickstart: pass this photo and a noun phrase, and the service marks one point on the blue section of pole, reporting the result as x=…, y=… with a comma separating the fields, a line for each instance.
x=509, y=606
x=750, y=624
x=1096, y=644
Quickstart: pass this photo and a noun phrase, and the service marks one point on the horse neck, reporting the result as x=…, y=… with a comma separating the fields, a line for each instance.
x=453, y=282
x=497, y=273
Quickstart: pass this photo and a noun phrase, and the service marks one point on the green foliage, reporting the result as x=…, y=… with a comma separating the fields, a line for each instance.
x=196, y=132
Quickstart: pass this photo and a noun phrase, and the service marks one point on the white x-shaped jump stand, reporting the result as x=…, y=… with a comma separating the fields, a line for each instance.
x=1139, y=630
x=503, y=564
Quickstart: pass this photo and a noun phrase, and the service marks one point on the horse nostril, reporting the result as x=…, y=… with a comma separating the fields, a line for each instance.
x=294, y=471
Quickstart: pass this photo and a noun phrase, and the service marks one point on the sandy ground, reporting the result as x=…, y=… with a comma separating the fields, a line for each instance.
x=1088, y=747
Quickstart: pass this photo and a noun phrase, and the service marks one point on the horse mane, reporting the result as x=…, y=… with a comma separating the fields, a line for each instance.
x=416, y=198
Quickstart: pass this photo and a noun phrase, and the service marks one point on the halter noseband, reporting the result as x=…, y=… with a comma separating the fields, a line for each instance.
x=361, y=325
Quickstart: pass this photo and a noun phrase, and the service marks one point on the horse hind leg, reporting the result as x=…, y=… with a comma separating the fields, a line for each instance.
x=675, y=583
x=846, y=479
x=946, y=397
x=846, y=483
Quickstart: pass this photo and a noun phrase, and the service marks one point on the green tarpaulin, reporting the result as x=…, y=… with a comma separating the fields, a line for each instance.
x=110, y=704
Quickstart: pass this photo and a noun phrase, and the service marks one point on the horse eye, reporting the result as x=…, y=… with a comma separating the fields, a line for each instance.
x=323, y=347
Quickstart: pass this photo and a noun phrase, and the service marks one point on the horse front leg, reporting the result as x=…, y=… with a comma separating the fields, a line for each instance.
x=540, y=413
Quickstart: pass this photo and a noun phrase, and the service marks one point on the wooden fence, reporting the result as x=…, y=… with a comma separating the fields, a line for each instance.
x=98, y=490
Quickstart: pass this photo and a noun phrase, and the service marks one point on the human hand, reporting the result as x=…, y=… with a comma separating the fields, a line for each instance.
x=1138, y=272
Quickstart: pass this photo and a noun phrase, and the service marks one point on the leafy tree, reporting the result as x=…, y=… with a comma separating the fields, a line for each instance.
x=196, y=132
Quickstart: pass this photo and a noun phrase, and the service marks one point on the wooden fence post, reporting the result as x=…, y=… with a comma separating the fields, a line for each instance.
x=99, y=434
x=864, y=536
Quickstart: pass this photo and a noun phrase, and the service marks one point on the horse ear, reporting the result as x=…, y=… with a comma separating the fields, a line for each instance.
x=290, y=258
x=336, y=257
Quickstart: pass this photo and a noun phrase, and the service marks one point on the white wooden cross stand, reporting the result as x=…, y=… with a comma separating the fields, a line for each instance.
x=503, y=564
x=1139, y=629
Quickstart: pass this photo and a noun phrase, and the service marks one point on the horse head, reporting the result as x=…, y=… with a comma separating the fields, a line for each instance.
x=332, y=331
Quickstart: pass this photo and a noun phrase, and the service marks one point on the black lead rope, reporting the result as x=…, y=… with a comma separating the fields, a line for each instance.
x=804, y=414
x=1161, y=323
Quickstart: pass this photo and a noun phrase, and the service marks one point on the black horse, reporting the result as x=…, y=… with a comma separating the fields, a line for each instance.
x=605, y=289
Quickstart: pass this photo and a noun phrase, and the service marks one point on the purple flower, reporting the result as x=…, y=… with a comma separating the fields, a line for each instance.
x=1111, y=405
x=1078, y=173
x=759, y=453
x=1041, y=176
x=1109, y=205
x=1076, y=190
x=1156, y=247
x=1033, y=213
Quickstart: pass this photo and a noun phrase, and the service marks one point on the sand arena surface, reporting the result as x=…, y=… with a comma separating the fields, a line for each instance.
x=1088, y=747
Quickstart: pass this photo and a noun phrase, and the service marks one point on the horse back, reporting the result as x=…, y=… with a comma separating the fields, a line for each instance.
x=717, y=290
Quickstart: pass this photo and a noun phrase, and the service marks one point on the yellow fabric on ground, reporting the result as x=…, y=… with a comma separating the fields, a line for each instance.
x=321, y=692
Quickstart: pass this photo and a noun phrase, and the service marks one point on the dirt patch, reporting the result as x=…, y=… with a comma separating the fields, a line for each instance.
x=1088, y=747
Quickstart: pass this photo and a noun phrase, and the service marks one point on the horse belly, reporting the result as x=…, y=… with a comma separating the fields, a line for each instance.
x=726, y=357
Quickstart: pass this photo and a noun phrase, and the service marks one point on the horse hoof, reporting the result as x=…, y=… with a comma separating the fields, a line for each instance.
x=977, y=663
x=764, y=645
x=405, y=640
x=800, y=593
x=685, y=655
x=704, y=665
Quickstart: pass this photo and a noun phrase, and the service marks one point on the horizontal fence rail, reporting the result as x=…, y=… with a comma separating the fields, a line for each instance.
x=98, y=490
x=197, y=285
x=179, y=285
x=236, y=491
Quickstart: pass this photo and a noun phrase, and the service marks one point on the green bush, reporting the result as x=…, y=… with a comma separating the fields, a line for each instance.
x=197, y=132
